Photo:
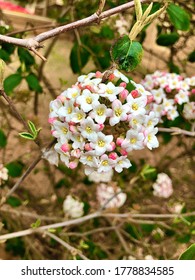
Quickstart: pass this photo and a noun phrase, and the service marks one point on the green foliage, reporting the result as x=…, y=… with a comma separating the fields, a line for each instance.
x=25, y=57
x=168, y=39
x=13, y=201
x=36, y=224
x=33, y=129
x=3, y=139
x=126, y=54
x=11, y=82
x=191, y=56
x=148, y=172
x=16, y=246
x=79, y=57
x=15, y=168
x=33, y=83
x=178, y=17
x=173, y=68
x=189, y=254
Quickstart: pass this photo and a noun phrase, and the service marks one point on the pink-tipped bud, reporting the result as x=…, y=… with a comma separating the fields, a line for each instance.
x=73, y=128
x=76, y=153
x=112, y=147
x=134, y=93
x=88, y=147
x=168, y=89
x=123, y=95
x=61, y=98
x=88, y=87
x=150, y=99
x=111, y=77
x=123, y=152
x=72, y=165
x=51, y=120
x=101, y=126
x=193, y=91
x=123, y=84
x=113, y=156
x=119, y=141
x=98, y=74
x=65, y=148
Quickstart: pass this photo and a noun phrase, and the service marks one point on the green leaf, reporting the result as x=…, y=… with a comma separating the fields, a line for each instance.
x=13, y=201
x=26, y=57
x=3, y=139
x=27, y=135
x=4, y=55
x=32, y=127
x=2, y=70
x=79, y=57
x=126, y=53
x=15, y=168
x=33, y=83
x=167, y=39
x=107, y=32
x=189, y=254
x=178, y=17
x=191, y=56
x=173, y=68
x=11, y=82
x=36, y=224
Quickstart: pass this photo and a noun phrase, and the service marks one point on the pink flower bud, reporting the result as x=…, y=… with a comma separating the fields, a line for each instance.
x=150, y=99
x=65, y=148
x=61, y=98
x=168, y=89
x=101, y=126
x=89, y=87
x=193, y=91
x=111, y=77
x=98, y=74
x=123, y=84
x=134, y=93
x=112, y=147
x=119, y=141
x=72, y=165
x=113, y=156
x=123, y=152
x=76, y=153
x=88, y=147
x=73, y=128
x=123, y=95
x=51, y=120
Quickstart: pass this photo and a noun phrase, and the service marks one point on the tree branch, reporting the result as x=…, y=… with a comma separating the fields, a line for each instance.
x=177, y=130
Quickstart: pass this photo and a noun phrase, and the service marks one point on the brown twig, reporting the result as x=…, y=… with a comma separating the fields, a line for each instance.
x=177, y=130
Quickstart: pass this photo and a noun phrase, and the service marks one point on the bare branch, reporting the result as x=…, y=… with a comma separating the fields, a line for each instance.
x=176, y=130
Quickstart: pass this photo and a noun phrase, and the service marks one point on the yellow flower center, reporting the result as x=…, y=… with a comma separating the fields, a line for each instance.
x=69, y=110
x=74, y=94
x=101, y=143
x=64, y=130
x=89, y=100
x=133, y=140
x=79, y=116
x=89, y=158
x=105, y=163
x=149, y=137
x=88, y=129
x=118, y=112
x=149, y=123
x=100, y=112
x=135, y=107
x=135, y=121
x=109, y=91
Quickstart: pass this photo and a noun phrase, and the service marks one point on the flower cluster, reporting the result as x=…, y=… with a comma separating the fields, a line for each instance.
x=110, y=196
x=101, y=177
x=98, y=123
x=163, y=186
x=3, y=173
x=72, y=207
x=169, y=90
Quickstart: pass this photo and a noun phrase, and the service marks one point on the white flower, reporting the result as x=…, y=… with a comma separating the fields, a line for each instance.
x=55, y=105
x=110, y=197
x=118, y=112
x=90, y=159
x=105, y=164
x=121, y=162
x=78, y=116
x=150, y=140
x=3, y=173
x=172, y=114
x=78, y=141
x=133, y=141
x=158, y=94
x=51, y=155
x=102, y=143
x=189, y=111
x=120, y=76
x=67, y=110
x=182, y=97
x=136, y=121
x=87, y=100
x=61, y=131
x=99, y=113
x=64, y=156
x=137, y=105
x=101, y=177
x=109, y=91
x=168, y=104
x=89, y=129
x=72, y=207
x=163, y=186
x=73, y=93
x=151, y=120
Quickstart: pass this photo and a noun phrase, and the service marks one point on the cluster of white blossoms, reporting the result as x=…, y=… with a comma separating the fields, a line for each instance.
x=110, y=196
x=163, y=186
x=101, y=177
x=170, y=89
x=72, y=207
x=3, y=173
x=98, y=123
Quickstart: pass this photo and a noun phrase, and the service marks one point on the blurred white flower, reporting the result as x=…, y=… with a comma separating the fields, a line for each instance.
x=163, y=186
x=101, y=177
x=72, y=207
x=189, y=111
x=3, y=173
x=176, y=208
x=50, y=155
x=110, y=196
x=149, y=257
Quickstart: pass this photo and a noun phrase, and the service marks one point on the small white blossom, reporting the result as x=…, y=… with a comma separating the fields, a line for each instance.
x=72, y=207
x=189, y=111
x=51, y=155
x=101, y=177
x=3, y=173
x=87, y=100
x=163, y=186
